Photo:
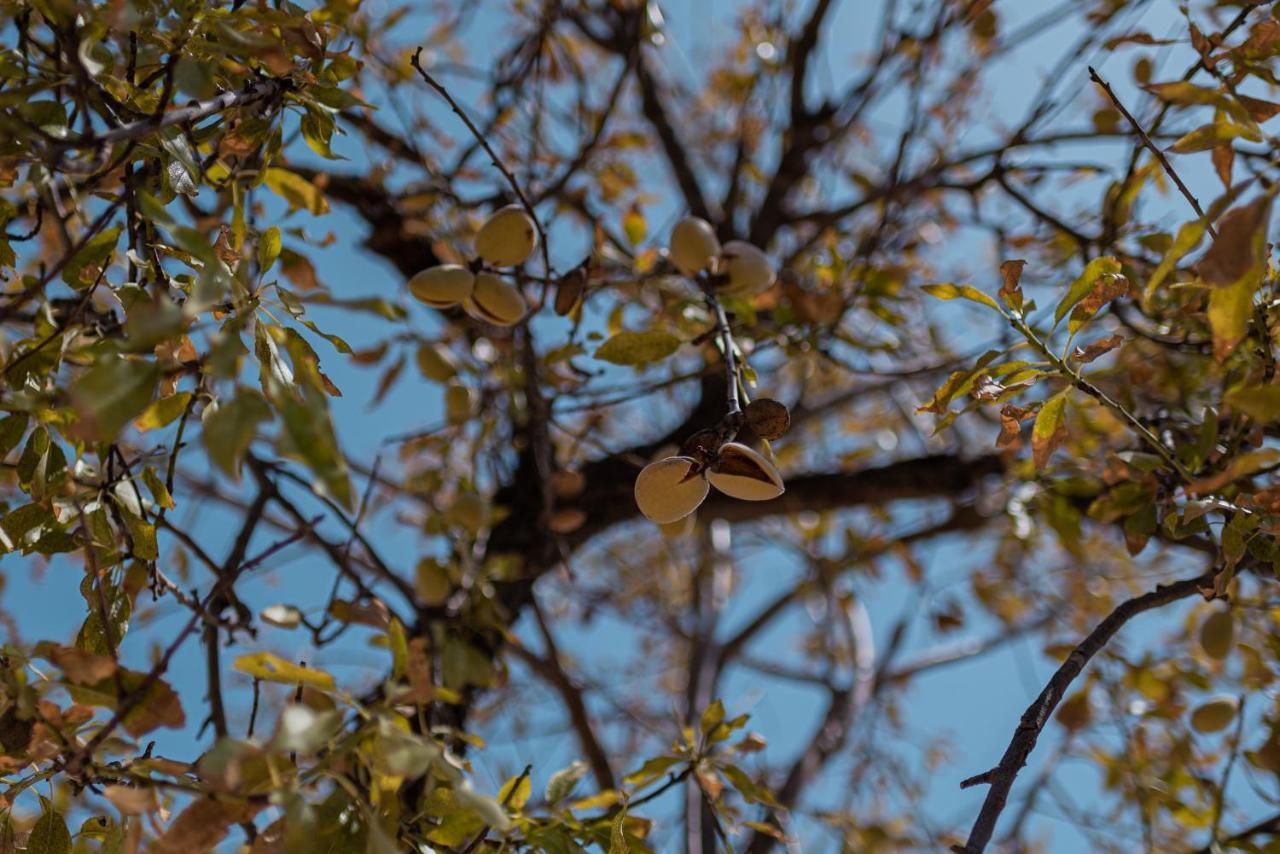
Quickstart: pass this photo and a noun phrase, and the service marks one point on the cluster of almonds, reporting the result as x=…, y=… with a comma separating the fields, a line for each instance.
x=737, y=268
x=507, y=239
x=672, y=488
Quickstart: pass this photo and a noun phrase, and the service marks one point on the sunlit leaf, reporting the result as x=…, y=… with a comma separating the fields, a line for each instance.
x=637, y=348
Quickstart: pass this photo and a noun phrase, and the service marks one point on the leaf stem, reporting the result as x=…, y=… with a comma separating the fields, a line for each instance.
x=1102, y=397
x=727, y=345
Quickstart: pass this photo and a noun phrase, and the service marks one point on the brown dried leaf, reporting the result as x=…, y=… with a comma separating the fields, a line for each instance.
x=80, y=667
x=1011, y=290
x=1107, y=288
x=1224, y=157
x=1011, y=418
x=709, y=781
x=131, y=800
x=985, y=387
x=1239, y=247
x=1092, y=351
x=1259, y=110
x=201, y=826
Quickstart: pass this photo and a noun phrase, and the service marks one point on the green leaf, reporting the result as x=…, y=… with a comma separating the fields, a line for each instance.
x=308, y=437
x=92, y=637
x=618, y=835
x=949, y=291
x=564, y=781
x=85, y=265
x=268, y=248
x=1188, y=238
x=711, y=717
x=42, y=463
x=1080, y=288
x=232, y=427
x=484, y=806
x=637, y=348
x=1049, y=428
x=748, y=788
x=273, y=668
x=454, y=825
x=49, y=835
x=1262, y=403
x=317, y=132
x=159, y=492
x=110, y=394
x=12, y=427
x=651, y=770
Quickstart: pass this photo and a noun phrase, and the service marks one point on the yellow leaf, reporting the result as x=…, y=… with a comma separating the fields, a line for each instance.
x=1049, y=429
x=296, y=190
x=635, y=225
x=949, y=291
x=637, y=348
x=1262, y=403
x=273, y=668
x=163, y=411
x=1229, y=310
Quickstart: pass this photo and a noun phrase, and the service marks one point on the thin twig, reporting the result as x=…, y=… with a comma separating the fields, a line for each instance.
x=1154, y=149
x=416, y=62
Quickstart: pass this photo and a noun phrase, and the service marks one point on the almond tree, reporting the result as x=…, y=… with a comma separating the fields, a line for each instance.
x=665, y=321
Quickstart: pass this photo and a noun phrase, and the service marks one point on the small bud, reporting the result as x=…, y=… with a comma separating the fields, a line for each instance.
x=670, y=489
x=694, y=245
x=442, y=286
x=749, y=270
x=569, y=291
x=740, y=472
x=495, y=300
x=507, y=238
x=767, y=418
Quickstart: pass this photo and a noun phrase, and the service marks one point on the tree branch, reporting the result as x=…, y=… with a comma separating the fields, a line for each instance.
x=1034, y=719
